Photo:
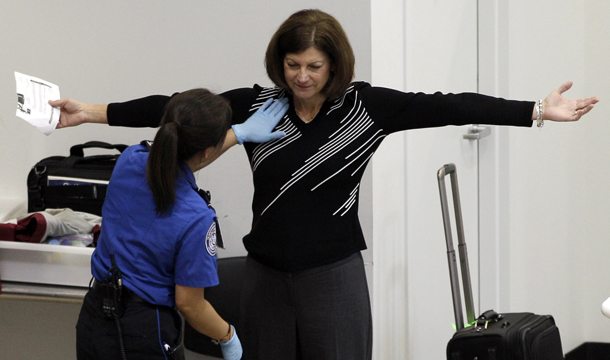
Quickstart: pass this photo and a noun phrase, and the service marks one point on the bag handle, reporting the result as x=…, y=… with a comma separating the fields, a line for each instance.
x=78, y=150
x=449, y=169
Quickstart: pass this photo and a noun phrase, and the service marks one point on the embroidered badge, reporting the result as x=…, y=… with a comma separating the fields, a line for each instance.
x=210, y=240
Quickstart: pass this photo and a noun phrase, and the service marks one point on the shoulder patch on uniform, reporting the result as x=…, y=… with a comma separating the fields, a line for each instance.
x=210, y=240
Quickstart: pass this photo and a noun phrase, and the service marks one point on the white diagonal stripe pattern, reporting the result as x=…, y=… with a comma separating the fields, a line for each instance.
x=350, y=201
x=265, y=149
x=354, y=124
x=339, y=103
x=266, y=94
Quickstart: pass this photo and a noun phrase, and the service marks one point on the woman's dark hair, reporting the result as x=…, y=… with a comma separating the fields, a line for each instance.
x=193, y=121
x=303, y=30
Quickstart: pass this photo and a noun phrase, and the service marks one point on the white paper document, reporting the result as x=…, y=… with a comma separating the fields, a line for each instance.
x=33, y=95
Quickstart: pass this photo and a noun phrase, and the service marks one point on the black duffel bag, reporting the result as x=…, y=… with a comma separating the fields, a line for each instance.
x=77, y=181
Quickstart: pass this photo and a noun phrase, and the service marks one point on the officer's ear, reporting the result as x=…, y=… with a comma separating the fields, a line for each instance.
x=207, y=156
x=209, y=152
x=203, y=159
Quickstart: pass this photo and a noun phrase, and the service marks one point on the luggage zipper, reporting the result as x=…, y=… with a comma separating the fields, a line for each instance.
x=515, y=337
x=535, y=323
x=543, y=335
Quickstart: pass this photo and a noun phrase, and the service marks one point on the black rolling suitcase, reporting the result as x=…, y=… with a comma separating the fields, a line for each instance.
x=491, y=336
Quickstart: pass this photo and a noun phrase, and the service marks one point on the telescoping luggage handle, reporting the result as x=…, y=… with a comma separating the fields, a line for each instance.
x=449, y=169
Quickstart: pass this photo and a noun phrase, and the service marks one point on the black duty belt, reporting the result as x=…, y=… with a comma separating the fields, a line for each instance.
x=127, y=295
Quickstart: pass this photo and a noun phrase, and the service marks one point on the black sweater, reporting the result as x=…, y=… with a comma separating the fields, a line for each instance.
x=306, y=184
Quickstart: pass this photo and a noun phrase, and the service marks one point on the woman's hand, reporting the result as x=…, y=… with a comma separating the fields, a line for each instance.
x=558, y=108
x=74, y=113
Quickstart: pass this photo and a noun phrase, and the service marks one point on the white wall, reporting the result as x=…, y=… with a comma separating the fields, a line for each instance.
x=107, y=51
x=548, y=210
x=389, y=208
x=559, y=204
x=594, y=170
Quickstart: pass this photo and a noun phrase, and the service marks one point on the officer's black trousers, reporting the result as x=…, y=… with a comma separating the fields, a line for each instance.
x=145, y=328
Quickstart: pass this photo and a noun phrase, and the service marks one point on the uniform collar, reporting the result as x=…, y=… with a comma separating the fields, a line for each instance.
x=188, y=174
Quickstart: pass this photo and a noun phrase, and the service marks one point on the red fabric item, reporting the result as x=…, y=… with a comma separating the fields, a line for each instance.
x=96, y=233
x=29, y=229
x=7, y=232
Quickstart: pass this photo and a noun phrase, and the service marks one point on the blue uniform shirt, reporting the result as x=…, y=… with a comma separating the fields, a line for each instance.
x=155, y=252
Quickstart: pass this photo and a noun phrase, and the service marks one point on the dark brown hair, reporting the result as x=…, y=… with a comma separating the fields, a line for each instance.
x=193, y=121
x=303, y=30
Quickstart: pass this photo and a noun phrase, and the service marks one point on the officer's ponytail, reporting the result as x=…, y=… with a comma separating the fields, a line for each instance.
x=193, y=121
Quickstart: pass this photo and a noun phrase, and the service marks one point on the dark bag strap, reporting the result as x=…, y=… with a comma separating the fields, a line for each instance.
x=77, y=153
x=78, y=150
x=489, y=316
x=35, y=201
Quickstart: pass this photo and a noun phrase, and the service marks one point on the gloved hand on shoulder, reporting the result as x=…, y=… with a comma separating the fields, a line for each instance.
x=231, y=350
x=259, y=127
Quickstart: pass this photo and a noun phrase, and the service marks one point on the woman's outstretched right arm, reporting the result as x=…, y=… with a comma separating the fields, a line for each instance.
x=144, y=112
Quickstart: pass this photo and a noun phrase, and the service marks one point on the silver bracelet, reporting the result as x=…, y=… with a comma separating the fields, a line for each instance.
x=540, y=122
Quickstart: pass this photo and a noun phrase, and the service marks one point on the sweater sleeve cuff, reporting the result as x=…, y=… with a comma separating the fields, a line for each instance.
x=528, y=108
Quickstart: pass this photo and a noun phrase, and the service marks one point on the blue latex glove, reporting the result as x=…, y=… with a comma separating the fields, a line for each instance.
x=259, y=127
x=231, y=350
